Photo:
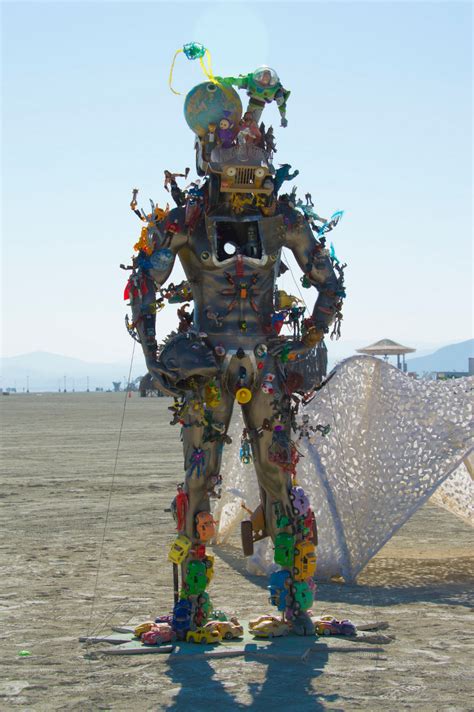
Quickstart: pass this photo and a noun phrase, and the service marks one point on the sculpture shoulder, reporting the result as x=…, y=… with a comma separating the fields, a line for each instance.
x=292, y=219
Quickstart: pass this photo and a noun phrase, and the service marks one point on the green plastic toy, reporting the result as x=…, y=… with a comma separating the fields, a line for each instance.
x=196, y=579
x=263, y=86
x=284, y=549
x=303, y=595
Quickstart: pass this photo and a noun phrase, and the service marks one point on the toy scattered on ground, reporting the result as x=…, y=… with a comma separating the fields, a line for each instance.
x=269, y=627
x=327, y=625
x=228, y=629
x=203, y=635
x=228, y=231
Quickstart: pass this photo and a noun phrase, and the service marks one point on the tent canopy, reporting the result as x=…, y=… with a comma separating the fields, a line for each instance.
x=385, y=347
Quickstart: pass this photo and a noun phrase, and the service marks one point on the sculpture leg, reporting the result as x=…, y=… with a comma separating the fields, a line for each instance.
x=203, y=442
x=203, y=434
x=286, y=509
x=274, y=482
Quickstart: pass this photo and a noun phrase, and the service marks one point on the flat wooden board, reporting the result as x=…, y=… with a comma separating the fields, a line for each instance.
x=288, y=646
x=115, y=638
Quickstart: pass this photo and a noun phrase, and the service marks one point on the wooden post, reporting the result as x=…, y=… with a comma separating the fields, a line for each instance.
x=175, y=583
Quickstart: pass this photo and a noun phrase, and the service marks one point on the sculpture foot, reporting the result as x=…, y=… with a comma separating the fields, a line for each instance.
x=302, y=624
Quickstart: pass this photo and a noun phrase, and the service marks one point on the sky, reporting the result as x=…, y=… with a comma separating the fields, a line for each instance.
x=379, y=126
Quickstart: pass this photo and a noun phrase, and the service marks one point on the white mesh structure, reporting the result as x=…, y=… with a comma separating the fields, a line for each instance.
x=456, y=494
x=393, y=441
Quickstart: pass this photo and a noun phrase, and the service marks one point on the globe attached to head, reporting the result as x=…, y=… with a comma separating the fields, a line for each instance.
x=208, y=103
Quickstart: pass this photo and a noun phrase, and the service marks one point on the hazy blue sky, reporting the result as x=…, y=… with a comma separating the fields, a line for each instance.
x=379, y=125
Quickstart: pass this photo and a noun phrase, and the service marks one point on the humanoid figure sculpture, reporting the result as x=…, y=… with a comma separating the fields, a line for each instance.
x=231, y=350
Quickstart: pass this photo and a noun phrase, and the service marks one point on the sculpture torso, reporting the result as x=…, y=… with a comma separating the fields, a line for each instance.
x=233, y=293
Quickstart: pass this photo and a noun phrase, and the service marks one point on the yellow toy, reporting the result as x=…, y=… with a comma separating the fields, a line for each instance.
x=305, y=561
x=143, y=628
x=203, y=635
x=179, y=549
x=209, y=562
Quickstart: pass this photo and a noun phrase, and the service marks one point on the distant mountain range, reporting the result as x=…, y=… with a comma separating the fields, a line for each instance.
x=454, y=357
x=42, y=371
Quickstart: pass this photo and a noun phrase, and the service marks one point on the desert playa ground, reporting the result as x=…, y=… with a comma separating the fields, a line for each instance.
x=58, y=459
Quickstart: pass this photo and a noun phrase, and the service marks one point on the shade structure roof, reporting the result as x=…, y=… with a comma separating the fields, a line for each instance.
x=385, y=347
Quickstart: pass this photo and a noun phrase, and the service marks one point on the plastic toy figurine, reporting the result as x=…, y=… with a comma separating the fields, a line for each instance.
x=170, y=182
x=282, y=174
x=248, y=129
x=263, y=86
x=226, y=132
x=232, y=349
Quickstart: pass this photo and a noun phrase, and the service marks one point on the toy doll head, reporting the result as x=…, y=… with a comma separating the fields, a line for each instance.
x=225, y=124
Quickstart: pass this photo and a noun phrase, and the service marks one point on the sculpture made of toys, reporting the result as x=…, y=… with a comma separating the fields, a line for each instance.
x=230, y=348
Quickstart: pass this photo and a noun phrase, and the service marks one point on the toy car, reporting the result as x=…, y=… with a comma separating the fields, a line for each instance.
x=300, y=501
x=143, y=628
x=304, y=565
x=303, y=595
x=182, y=615
x=205, y=526
x=196, y=577
x=179, y=549
x=279, y=589
x=161, y=633
x=203, y=635
x=152, y=637
x=242, y=170
x=284, y=549
x=327, y=625
x=218, y=616
x=269, y=627
x=227, y=629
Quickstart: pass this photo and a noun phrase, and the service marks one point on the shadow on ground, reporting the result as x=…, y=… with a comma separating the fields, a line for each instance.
x=392, y=581
x=275, y=683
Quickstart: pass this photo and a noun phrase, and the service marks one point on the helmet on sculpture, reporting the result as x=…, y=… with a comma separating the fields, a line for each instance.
x=265, y=77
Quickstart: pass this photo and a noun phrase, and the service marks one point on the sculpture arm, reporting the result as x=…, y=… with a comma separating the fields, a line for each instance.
x=315, y=262
x=150, y=274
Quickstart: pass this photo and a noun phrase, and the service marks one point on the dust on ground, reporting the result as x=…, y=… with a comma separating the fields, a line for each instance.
x=58, y=459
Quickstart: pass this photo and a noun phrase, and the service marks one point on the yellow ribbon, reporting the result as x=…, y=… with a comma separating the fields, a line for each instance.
x=171, y=72
x=207, y=71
